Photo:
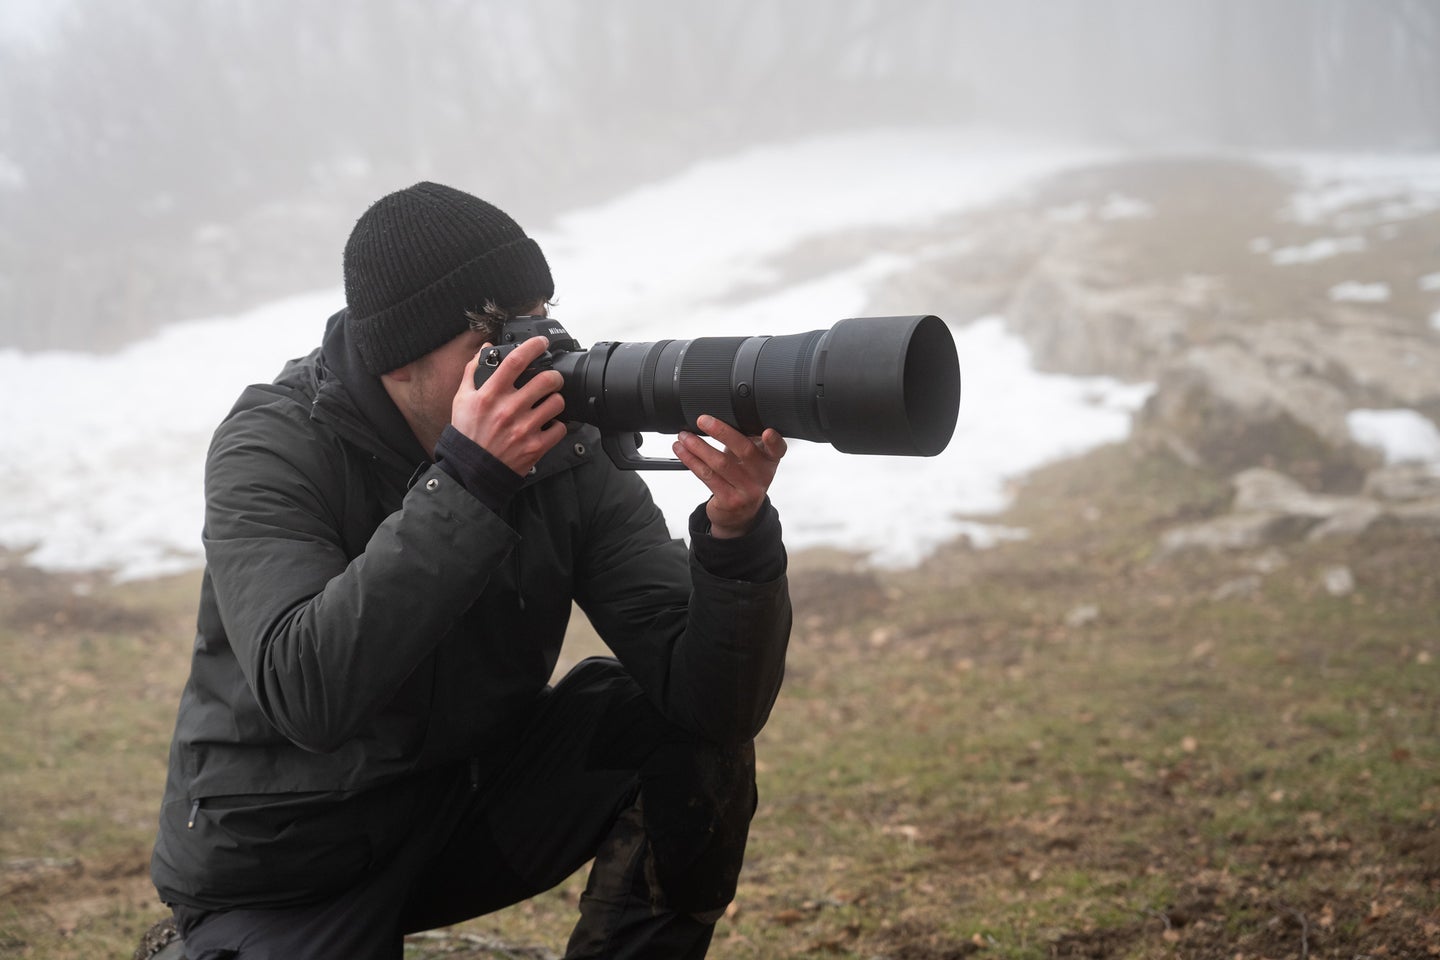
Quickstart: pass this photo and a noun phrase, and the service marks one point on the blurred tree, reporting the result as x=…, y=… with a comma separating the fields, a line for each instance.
x=177, y=157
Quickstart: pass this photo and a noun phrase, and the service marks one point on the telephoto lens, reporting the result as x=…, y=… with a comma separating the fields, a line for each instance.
x=867, y=385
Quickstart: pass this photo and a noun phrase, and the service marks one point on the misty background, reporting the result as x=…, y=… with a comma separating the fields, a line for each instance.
x=1193, y=243
x=171, y=159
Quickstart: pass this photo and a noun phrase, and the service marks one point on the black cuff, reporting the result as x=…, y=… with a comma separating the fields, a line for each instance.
x=756, y=557
x=487, y=479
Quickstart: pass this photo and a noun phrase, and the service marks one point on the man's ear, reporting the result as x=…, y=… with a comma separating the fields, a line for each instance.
x=397, y=384
x=400, y=374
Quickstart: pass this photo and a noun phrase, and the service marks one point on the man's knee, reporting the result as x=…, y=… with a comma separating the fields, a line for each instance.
x=698, y=797
x=698, y=800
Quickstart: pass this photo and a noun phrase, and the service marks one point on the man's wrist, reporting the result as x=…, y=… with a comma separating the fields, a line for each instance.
x=756, y=555
x=488, y=479
x=728, y=532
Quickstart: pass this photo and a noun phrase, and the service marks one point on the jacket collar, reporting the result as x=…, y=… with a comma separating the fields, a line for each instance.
x=352, y=401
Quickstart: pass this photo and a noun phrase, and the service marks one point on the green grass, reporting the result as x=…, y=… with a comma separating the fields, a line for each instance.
x=956, y=766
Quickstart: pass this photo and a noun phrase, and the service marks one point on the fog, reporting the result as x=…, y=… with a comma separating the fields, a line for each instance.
x=171, y=159
x=177, y=180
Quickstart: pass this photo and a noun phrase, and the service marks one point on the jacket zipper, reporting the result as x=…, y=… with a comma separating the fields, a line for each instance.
x=514, y=518
x=194, y=811
x=519, y=588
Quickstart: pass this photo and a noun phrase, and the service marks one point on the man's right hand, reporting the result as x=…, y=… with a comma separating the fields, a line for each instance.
x=517, y=426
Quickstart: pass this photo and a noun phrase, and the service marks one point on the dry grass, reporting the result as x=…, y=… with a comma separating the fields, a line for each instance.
x=1063, y=748
x=1057, y=748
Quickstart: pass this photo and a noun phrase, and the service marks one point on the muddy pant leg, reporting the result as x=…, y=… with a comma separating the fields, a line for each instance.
x=669, y=867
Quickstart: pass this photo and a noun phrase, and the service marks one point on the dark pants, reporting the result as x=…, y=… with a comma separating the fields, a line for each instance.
x=597, y=773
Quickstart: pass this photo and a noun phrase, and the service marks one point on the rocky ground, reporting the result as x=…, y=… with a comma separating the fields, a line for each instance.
x=1193, y=714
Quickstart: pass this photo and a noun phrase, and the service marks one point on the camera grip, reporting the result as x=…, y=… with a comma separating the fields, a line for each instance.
x=492, y=357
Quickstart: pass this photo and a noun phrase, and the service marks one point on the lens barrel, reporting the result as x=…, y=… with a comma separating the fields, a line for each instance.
x=868, y=385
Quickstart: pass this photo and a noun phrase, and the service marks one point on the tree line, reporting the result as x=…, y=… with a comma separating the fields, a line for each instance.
x=179, y=156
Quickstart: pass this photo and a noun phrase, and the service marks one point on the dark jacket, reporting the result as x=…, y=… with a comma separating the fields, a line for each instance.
x=363, y=621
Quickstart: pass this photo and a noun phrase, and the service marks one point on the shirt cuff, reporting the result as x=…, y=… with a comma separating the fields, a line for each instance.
x=756, y=557
x=487, y=479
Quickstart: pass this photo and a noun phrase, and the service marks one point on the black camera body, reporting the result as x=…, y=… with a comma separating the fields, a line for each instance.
x=516, y=331
x=869, y=385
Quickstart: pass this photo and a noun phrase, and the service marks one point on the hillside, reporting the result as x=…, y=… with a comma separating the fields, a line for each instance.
x=1193, y=713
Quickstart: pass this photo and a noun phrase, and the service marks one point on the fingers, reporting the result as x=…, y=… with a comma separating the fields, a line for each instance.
x=775, y=444
x=710, y=464
x=737, y=476
x=733, y=439
x=516, y=424
x=511, y=370
x=524, y=354
x=762, y=452
x=467, y=382
x=516, y=362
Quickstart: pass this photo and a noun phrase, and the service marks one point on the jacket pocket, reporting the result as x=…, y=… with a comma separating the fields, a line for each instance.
x=264, y=850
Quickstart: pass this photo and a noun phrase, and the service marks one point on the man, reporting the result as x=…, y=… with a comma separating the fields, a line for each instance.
x=367, y=744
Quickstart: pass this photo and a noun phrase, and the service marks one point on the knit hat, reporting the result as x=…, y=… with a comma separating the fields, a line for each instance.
x=419, y=258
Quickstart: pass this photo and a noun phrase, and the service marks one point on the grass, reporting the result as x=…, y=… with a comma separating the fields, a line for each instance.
x=88, y=690
x=959, y=765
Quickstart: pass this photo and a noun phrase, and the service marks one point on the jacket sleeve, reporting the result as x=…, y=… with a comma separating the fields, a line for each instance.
x=709, y=651
x=325, y=641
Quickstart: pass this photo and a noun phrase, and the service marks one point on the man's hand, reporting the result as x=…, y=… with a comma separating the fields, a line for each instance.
x=738, y=476
x=517, y=426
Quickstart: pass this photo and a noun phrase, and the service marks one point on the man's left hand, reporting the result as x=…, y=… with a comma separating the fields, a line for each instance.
x=738, y=476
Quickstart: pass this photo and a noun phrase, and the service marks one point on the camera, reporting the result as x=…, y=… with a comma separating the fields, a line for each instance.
x=867, y=385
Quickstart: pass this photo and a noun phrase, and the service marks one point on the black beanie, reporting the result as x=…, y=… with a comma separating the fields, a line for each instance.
x=419, y=258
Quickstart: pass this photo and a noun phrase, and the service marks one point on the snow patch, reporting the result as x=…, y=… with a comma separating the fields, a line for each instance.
x=1403, y=436
x=1321, y=249
x=107, y=472
x=1354, y=192
x=1353, y=292
x=1117, y=206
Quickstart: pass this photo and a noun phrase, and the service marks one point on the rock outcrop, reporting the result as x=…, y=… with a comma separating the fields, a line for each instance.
x=1271, y=509
x=1257, y=359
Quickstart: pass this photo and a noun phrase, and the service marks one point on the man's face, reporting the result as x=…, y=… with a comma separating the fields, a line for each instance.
x=434, y=380
x=425, y=390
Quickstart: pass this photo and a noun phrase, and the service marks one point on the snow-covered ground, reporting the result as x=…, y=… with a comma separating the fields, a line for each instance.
x=101, y=457
x=1401, y=436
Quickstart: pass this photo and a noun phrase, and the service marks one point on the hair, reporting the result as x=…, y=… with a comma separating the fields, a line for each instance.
x=492, y=317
